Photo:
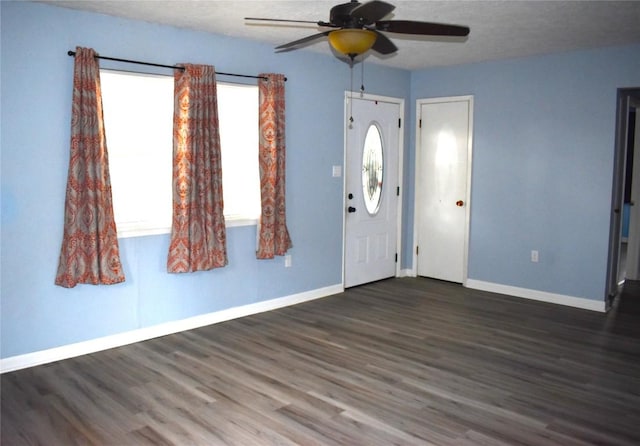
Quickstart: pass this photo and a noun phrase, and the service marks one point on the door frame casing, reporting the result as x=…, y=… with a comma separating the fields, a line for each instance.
x=416, y=179
x=348, y=96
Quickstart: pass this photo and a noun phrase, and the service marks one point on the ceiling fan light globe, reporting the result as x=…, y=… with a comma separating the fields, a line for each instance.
x=352, y=42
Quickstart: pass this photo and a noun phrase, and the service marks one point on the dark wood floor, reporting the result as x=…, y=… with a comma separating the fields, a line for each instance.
x=402, y=361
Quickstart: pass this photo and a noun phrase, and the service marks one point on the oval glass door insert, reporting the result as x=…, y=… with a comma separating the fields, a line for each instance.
x=372, y=169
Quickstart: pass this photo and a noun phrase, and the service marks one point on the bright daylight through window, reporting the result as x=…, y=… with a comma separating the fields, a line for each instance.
x=138, y=115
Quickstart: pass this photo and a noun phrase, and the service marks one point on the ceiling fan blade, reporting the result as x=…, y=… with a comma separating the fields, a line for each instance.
x=315, y=22
x=372, y=11
x=383, y=44
x=262, y=19
x=422, y=28
x=296, y=43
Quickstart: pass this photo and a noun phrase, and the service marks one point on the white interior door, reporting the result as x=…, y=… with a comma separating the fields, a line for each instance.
x=442, y=192
x=371, y=189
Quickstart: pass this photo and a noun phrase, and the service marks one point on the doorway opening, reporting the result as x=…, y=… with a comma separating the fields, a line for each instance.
x=624, y=237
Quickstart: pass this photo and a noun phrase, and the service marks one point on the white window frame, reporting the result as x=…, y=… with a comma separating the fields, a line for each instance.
x=145, y=228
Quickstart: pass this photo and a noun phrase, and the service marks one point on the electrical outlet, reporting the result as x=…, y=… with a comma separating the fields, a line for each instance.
x=287, y=260
x=534, y=256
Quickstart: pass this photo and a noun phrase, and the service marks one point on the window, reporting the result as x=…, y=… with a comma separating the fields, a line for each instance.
x=372, y=169
x=138, y=115
x=238, y=117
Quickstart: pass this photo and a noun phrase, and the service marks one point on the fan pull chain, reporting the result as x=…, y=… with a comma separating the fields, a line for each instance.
x=362, y=79
x=351, y=95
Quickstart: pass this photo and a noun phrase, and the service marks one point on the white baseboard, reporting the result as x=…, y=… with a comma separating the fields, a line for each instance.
x=94, y=345
x=407, y=273
x=571, y=301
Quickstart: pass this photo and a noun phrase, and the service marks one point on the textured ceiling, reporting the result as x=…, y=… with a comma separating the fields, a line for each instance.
x=499, y=29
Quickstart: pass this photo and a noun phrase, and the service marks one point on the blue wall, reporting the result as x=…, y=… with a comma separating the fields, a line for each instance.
x=543, y=161
x=36, y=86
x=543, y=152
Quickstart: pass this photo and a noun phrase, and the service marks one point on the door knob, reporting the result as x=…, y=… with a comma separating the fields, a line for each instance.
x=459, y=203
x=351, y=209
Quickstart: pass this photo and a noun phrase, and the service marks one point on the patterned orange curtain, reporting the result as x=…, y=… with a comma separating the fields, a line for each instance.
x=90, y=252
x=198, y=234
x=273, y=236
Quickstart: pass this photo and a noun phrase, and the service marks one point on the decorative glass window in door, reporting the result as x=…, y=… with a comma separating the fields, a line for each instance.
x=372, y=169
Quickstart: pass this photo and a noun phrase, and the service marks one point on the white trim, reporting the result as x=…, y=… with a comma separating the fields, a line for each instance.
x=543, y=296
x=344, y=181
x=403, y=124
x=408, y=272
x=142, y=334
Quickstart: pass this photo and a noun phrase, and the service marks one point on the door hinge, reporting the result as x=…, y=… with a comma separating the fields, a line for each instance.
x=398, y=191
x=399, y=123
x=420, y=123
x=396, y=257
x=417, y=250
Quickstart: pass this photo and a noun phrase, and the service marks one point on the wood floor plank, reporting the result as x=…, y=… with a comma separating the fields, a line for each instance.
x=407, y=361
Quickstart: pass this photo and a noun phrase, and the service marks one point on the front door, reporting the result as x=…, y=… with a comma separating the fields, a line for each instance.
x=371, y=189
x=442, y=192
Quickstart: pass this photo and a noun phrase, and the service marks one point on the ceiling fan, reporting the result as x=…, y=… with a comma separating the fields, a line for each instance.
x=358, y=27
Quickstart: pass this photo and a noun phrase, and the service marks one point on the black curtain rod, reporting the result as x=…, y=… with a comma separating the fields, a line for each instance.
x=173, y=67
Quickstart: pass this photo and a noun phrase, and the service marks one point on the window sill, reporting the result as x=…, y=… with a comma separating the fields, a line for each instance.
x=230, y=222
